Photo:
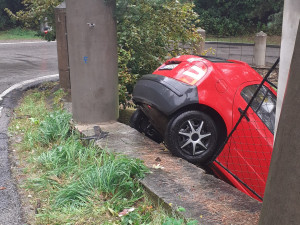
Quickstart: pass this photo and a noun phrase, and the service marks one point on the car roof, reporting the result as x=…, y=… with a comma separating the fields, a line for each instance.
x=236, y=73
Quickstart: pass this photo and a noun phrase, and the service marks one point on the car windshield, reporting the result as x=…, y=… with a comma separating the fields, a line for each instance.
x=264, y=104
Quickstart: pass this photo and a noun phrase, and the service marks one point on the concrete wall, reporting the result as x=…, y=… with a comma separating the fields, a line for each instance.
x=291, y=16
x=92, y=44
x=282, y=195
x=62, y=48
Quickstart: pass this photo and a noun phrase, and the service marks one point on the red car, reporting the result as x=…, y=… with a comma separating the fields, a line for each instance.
x=191, y=103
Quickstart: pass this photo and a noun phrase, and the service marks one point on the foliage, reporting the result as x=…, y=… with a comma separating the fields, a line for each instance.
x=14, y=6
x=36, y=12
x=275, y=23
x=148, y=32
x=220, y=17
x=174, y=221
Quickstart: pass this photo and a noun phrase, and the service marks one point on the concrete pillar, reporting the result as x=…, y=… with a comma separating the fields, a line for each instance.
x=260, y=47
x=281, y=203
x=92, y=43
x=291, y=16
x=62, y=48
x=200, y=46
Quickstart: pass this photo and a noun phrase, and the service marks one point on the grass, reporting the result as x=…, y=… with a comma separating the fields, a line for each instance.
x=71, y=182
x=18, y=34
x=271, y=40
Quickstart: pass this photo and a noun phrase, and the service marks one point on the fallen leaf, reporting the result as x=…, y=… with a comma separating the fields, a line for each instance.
x=2, y=188
x=125, y=212
x=158, y=166
x=112, y=212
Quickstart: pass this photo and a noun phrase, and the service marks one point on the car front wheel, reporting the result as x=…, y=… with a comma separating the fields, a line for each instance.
x=192, y=135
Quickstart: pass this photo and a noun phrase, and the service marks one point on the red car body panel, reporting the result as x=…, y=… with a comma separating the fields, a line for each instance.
x=219, y=85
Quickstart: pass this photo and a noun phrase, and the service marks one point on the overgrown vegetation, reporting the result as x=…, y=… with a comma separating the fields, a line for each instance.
x=235, y=17
x=148, y=32
x=33, y=13
x=5, y=21
x=70, y=182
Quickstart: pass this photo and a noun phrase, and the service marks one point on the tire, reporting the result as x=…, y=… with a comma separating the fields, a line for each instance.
x=141, y=123
x=192, y=135
x=137, y=119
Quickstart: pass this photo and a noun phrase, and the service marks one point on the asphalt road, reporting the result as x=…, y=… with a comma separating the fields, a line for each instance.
x=25, y=60
x=19, y=62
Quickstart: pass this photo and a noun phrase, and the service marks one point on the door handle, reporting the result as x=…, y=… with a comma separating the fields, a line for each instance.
x=245, y=115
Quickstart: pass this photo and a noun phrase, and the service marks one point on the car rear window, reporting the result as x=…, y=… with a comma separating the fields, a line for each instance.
x=264, y=104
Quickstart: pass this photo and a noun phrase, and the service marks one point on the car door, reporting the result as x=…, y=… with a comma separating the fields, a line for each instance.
x=248, y=152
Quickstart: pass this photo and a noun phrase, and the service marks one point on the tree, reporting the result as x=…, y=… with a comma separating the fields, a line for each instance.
x=220, y=17
x=35, y=12
x=5, y=20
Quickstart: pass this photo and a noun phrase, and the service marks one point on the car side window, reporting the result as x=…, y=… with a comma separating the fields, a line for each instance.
x=264, y=104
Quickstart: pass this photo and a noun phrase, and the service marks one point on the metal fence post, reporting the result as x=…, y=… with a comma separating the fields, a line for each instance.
x=260, y=49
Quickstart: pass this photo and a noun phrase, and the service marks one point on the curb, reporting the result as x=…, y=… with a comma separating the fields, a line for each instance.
x=11, y=42
x=24, y=85
x=11, y=208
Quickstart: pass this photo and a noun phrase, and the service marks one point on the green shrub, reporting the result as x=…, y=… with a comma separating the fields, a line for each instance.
x=148, y=33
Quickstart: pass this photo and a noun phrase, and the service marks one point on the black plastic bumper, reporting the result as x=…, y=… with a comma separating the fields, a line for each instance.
x=164, y=93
